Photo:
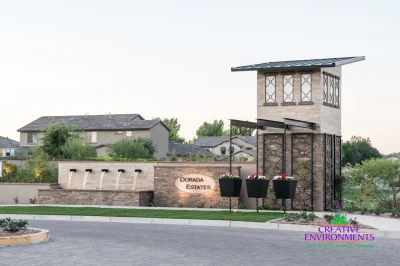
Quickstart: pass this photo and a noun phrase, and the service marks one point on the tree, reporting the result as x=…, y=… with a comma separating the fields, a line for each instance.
x=77, y=149
x=358, y=149
x=211, y=129
x=370, y=172
x=55, y=137
x=240, y=131
x=139, y=148
x=174, y=126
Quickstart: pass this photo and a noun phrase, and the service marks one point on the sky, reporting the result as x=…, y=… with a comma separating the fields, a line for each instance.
x=173, y=59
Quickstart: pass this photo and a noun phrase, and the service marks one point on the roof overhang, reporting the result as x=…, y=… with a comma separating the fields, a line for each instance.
x=305, y=65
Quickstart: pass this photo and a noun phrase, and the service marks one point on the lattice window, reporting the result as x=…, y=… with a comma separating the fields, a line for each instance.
x=337, y=98
x=326, y=88
x=270, y=89
x=288, y=88
x=306, y=88
x=331, y=89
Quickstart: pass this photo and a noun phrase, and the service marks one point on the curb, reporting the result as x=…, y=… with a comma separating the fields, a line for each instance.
x=270, y=225
x=31, y=239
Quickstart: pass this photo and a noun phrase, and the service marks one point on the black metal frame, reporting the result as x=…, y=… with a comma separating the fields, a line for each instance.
x=286, y=125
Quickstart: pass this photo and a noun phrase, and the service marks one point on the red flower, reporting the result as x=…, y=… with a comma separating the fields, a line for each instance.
x=283, y=176
x=254, y=176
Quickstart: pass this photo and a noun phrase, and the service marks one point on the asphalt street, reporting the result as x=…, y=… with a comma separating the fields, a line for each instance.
x=96, y=243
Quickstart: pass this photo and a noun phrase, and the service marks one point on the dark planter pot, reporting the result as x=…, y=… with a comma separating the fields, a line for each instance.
x=285, y=189
x=230, y=187
x=257, y=188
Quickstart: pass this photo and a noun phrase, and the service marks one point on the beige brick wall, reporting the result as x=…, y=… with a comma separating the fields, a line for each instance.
x=328, y=119
x=167, y=195
x=144, y=181
x=331, y=117
x=93, y=197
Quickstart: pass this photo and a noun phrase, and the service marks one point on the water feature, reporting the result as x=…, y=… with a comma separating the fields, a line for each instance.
x=134, y=179
x=120, y=171
x=69, y=178
x=103, y=172
x=85, y=176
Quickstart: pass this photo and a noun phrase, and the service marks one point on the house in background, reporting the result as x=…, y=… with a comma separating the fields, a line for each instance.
x=393, y=156
x=182, y=150
x=7, y=147
x=102, y=130
x=242, y=146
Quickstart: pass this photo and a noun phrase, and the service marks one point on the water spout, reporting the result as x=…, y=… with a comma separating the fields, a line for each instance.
x=101, y=178
x=69, y=178
x=117, y=181
x=85, y=179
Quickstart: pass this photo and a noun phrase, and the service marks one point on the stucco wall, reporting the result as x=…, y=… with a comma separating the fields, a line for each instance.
x=159, y=135
x=23, y=191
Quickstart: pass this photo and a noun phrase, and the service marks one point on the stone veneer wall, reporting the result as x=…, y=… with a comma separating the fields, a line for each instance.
x=273, y=143
x=167, y=195
x=95, y=197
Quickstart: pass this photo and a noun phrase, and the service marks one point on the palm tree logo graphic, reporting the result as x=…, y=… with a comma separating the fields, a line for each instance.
x=339, y=219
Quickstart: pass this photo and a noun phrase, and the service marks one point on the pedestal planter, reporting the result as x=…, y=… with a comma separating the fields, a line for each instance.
x=257, y=188
x=230, y=187
x=284, y=189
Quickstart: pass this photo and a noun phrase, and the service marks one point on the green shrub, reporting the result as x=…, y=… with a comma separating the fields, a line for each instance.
x=9, y=171
x=353, y=221
x=77, y=149
x=329, y=217
x=302, y=217
x=352, y=208
x=36, y=169
x=132, y=149
x=384, y=205
x=11, y=226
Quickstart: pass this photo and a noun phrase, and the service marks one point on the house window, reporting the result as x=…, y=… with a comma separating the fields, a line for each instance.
x=331, y=94
x=223, y=150
x=270, y=89
x=326, y=88
x=129, y=133
x=33, y=138
x=8, y=152
x=288, y=88
x=306, y=88
x=91, y=137
x=337, y=99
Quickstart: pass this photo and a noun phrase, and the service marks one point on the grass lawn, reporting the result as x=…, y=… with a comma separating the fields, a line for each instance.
x=145, y=213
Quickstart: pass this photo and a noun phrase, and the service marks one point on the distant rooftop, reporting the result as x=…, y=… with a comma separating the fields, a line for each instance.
x=6, y=143
x=214, y=141
x=300, y=64
x=181, y=149
x=94, y=122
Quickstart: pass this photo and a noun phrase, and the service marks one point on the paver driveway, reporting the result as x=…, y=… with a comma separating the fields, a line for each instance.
x=96, y=243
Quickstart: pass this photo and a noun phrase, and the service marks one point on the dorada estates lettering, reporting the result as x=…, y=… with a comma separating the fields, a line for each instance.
x=195, y=183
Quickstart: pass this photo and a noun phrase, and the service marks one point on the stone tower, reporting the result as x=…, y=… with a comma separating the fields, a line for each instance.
x=302, y=92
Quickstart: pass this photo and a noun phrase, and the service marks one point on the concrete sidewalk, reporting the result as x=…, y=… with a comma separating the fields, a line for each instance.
x=385, y=224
